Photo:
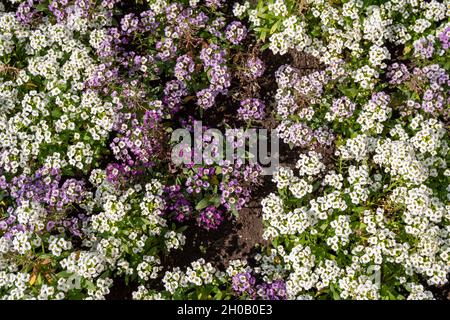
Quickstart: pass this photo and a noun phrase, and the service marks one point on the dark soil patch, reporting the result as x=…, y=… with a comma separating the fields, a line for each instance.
x=235, y=239
x=121, y=290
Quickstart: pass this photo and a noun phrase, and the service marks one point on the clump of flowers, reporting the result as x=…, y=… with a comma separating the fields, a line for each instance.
x=252, y=109
x=210, y=218
x=236, y=32
x=243, y=283
x=255, y=68
x=275, y=290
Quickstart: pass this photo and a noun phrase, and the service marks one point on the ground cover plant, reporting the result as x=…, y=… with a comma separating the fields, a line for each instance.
x=100, y=198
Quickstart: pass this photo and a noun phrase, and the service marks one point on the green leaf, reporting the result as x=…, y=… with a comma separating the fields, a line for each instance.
x=56, y=113
x=202, y=204
x=41, y=7
x=265, y=46
x=89, y=284
x=275, y=27
x=215, y=201
x=64, y=274
x=263, y=35
x=334, y=293
x=234, y=211
x=218, y=295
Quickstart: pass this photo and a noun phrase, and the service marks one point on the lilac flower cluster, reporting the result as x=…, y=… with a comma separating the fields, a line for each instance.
x=255, y=68
x=210, y=218
x=200, y=180
x=206, y=98
x=46, y=192
x=243, y=284
x=220, y=79
x=58, y=8
x=424, y=47
x=437, y=83
x=184, y=68
x=275, y=290
x=236, y=32
x=167, y=49
x=214, y=4
x=104, y=75
x=216, y=26
x=302, y=135
x=444, y=37
x=431, y=81
x=174, y=92
x=135, y=146
x=252, y=109
x=213, y=59
x=236, y=188
x=398, y=73
x=341, y=109
x=26, y=11
x=181, y=25
x=212, y=55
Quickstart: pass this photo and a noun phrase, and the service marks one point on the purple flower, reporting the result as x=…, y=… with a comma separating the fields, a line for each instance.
x=398, y=73
x=272, y=291
x=251, y=109
x=129, y=23
x=341, y=109
x=220, y=79
x=210, y=218
x=50, y=226
x=206, y=98
x=177, y=205
x=214, y=4
x=212, y=55
x=236, y=32
x=424, y=47
x=256, y=68
x=184, y=68
x=174, y=91
x=243, y=283
x=26, y=11
x=167, y=49
x=57, y=8
x=444, y=38
x=3, y=225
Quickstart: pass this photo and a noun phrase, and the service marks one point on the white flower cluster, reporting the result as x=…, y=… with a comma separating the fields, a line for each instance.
x=364, y=31
x=53, y=108
x=198, y=274
x=237, y=266
x=58, y=244
x=148, y=268
x=142, y=293
x=240, y=9
x=283, y=177
x=85, y=264
x=374, y=113
x=310, y=165
x=363, y=219
x=158, y=6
